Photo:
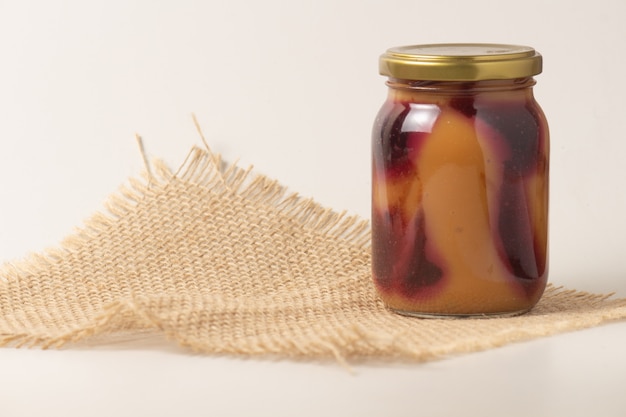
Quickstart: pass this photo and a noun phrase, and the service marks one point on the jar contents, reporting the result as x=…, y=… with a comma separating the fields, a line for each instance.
x=460, y=198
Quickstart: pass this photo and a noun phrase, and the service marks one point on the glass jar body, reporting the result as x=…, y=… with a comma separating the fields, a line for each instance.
x=460, y=198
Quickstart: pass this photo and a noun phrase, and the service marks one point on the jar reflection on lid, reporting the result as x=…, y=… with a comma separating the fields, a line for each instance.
x=460, y=62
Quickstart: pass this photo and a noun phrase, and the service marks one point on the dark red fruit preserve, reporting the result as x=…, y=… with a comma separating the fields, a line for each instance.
x=460, y=181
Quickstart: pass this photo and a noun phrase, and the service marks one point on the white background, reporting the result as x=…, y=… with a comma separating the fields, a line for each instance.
x=292, y=87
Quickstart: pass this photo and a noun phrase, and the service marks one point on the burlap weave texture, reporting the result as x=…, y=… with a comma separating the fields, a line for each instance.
x=224, y=261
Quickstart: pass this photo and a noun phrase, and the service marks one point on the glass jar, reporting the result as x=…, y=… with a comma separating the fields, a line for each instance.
x=460, y=181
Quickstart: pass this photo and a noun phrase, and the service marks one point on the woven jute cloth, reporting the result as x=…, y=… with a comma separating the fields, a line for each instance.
x=224, y=261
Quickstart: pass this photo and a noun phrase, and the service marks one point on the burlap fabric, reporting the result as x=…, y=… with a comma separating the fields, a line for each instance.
x=224, y=261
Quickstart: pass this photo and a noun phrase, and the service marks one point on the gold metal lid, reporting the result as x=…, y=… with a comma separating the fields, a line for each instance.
x=460, y=62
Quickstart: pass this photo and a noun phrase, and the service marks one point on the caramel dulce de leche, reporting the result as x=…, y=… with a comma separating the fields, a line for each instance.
x=460, y=181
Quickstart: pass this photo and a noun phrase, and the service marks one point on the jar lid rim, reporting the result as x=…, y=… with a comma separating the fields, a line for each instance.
x=460, y=62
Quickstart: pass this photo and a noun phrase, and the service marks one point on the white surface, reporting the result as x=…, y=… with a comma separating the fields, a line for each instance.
x=292, y=86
